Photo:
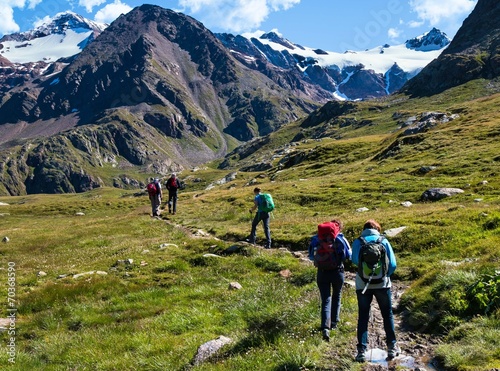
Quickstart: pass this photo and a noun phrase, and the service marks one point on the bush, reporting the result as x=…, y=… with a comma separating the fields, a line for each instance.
x=484, y=294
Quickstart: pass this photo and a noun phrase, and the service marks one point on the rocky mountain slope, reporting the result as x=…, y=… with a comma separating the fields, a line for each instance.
x=157, y=92
x=161, y=89
x=473, y=53
x=350, y=75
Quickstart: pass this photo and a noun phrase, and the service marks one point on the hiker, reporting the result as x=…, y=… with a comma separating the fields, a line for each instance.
x=155, y=194
x=373, y=286
x=330, y=275
x=259, y=215
x=172, y=184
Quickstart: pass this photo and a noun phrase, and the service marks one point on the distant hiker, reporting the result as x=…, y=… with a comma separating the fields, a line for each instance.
x=329, y=249
x=373, y=255
x=172, y=184
x=155, y=194
x=264, y=204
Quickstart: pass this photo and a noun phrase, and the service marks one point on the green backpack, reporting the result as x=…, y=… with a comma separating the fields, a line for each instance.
x=266, y=202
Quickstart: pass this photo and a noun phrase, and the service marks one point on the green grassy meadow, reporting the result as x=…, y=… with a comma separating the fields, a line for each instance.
x=153, y=312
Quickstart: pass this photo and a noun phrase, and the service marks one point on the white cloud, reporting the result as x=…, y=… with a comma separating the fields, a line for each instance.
x=415, y=24
x=393, y=33
x=434, y=12
x=89, y=4
x=8, y=24
x=234, y=15
x=111, y=11
x=41, y=21
x=33, y=3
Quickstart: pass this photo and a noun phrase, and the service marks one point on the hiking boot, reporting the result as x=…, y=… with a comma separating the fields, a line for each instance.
x=361, y=356
x=333, y=326
x=326, y=334
x=393, y=351
x=250, y=240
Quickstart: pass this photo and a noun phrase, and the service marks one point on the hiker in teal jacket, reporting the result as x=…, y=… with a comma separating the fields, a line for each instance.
x=259, y=215
x=380, y=290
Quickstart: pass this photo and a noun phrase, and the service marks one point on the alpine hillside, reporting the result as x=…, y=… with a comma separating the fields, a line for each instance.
x=157, y=92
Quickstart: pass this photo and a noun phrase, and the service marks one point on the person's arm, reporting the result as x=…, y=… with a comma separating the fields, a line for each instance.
x=313, y=244
x=346, y=247
x=355, y=251
x=255, y=204
x=391, y=256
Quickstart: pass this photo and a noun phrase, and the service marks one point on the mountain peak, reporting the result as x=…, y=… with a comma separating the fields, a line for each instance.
x=275, y=38
x=59, y=24
x=432, y=40
x=65, y=35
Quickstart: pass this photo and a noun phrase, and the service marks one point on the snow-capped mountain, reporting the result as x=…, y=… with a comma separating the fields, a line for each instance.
x=345, y=76
x=64, y=36
x=350, y=75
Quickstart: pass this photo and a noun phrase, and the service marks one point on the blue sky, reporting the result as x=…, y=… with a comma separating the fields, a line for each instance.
x=332, y=25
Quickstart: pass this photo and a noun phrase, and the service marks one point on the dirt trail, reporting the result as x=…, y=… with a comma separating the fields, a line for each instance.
x=417, y=350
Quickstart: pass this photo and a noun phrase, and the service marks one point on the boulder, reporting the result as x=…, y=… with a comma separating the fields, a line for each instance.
x=434, y=194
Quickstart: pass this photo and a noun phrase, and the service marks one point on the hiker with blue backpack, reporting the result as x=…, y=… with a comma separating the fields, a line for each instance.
x=263, y=205
x=374, y=256
x=329, y=249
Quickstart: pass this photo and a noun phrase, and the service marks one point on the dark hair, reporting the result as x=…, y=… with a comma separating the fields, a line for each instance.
x=256, y=190
x=372, y=224
x=339, y=223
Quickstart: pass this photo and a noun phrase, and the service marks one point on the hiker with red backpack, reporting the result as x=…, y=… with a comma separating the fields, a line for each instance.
x=172, y=184
x=155, y=194
x=374, y=256
x=328, y=250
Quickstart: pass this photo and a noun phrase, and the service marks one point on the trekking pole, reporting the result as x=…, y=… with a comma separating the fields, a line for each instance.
x=367, y=284
x=371, y=322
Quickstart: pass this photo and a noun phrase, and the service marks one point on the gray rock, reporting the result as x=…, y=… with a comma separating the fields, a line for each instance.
x=209, y=255
x=165, y=246
x=235, y=286
x=426, y=169
x=434, y=194
x=394, y=231
x=207, y=350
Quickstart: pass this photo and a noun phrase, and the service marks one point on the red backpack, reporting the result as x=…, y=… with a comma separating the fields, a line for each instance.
x=327, y=255
x=152, y=189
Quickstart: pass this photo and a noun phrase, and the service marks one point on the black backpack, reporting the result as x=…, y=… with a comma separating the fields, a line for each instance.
x=373, y=261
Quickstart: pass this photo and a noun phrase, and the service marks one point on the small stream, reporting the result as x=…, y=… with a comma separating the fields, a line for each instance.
x=378, y=356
